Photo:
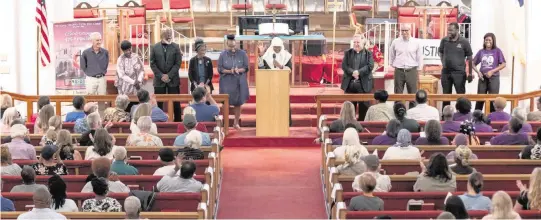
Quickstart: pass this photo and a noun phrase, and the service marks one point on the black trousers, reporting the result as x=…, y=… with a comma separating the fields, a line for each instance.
x=360, y=107
x=409, y=77
x=488, y=86
x=450, y=79
x=176, y=105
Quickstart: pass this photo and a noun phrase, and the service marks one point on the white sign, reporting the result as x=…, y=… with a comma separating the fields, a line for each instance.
x=430, y=51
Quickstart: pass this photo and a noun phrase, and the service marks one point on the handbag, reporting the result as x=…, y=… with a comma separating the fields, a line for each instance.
x=355, y=86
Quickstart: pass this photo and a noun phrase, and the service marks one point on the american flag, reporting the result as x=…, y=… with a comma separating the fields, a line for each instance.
x=41, y=19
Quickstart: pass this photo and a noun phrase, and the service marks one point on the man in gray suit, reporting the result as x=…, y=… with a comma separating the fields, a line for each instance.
x=165, y=59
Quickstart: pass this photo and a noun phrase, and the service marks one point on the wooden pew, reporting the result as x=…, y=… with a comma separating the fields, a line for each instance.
x=344, y=214
x=200, y=214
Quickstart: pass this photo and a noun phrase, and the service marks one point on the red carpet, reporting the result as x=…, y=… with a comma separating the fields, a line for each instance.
x=298, y=136
x=271, y=183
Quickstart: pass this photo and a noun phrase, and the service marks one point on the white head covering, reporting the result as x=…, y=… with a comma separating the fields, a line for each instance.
x=282, y=57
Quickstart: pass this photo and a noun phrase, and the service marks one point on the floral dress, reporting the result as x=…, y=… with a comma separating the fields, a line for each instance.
x=129, y=72
x=116, y=115
x=58, y=169
x=104, y=205
x=144, y=140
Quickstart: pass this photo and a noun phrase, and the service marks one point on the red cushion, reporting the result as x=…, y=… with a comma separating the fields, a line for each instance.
x=182, y=20
x=152, y=4
x=276, y=6
x=242, y=6
x=84, y=13
x=362, y=8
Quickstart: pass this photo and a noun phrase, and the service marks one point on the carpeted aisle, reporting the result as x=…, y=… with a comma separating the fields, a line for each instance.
x=271, y=183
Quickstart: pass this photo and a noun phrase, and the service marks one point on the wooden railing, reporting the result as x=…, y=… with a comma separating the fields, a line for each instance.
x=166, y=98
x=433, y=98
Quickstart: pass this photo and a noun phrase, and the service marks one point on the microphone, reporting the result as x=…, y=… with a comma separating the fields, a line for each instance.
x=273, y=56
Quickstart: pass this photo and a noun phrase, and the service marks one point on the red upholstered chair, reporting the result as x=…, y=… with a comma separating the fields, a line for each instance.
x=353, y=23
x=278, y=5
x=139, y=32
x=85, y=10
x=189, y=20
x=450, y=17
x=155, y=6
x=238, y=7
x=364, y=5
x=406, y=15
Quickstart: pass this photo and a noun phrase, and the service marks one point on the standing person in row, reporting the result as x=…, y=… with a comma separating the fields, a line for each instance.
x=357, y=65
x=453, y=51
x=406, y=55
x=492, y=61
x=233, y=66
x=94, y=63
x=165, y=59
x=130, y=71
x=200, y=69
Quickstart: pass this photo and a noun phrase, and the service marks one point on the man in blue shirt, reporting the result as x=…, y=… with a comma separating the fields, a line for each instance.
x=78, y=103
x=190, y=122
x=157, y=114
x=6, y=204
x=203, y=111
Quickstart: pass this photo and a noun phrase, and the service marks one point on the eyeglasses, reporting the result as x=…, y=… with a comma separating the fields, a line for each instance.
x=404, y=30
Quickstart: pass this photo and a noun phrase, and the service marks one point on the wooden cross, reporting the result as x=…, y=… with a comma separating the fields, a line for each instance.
x=335, y=4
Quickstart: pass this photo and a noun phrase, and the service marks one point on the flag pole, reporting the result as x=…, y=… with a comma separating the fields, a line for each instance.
x=38, y=57
x=512, y=74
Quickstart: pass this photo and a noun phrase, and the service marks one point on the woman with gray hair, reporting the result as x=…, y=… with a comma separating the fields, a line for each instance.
x=448, y=124
x=144, y=138
x=200, y=70
x=118, y=113
x=403, y=149
x=19, y=149
x=120, y=164
x=433, y=135
x=520, y=113
x=132, y=206
x=144, y=109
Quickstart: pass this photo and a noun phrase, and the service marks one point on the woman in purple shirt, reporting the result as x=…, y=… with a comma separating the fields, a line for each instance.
x=513, y=137
x=463, y=107
x=499, y=114
x=389, y=136
x=480, y=123
x=520, y=113
x=492, y=61
x=448, y=124
x=433, y=135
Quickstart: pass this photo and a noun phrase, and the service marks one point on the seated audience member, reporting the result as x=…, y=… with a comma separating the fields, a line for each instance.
x=446, y=215
x=142, y=110
x=6, y=205
x=101, y=203
x=530, y=199
x=350, y=138
x=42, y=207
x=480, y=122
x=473, y=199
x=42, y=122
x=190, y=122
x=81, y=125
x=132, y=206
x=66, y=149
x=156, y=114
x=42, y=101
x=78, y=104
x=6, y=139
x=520, y=113
x=47, y=164
x=502, y=207
x=455, y=206
x=353, y=164
x=192, y=148
x=18, y=148
x=11, y=114
x=367, y=201
x=104, y=145
x=389, y=136
x=462, y=161
x=29, y=181
x=532, y=151
x=50, y=136
x=199, y=126
x=184, y=182
x=433, y=134
x=118, y=113
x=8, y=168
x=101, y=167
x=144, y=138
x=383, y=182
x=400, y=113
x=535, y=115
x=94, y=122
x=347, y=116
x=5, y=102
x=120, y=165
x=380, y=111
x=499, y=114
x=463, y=107
x=422, y=111
x=402, y=149
x=436, y=176
x=205, y=112
x=513, y=136
x=60, y=203
x=468, y=129
x=448, y=124
x=167, y=157
x=338, y=140
x=460, y=140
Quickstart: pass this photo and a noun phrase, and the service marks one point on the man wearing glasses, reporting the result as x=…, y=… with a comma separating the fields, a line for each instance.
x=406, y=57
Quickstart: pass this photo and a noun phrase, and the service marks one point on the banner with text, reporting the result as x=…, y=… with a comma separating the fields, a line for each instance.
x=430, y=51
x=70, y=39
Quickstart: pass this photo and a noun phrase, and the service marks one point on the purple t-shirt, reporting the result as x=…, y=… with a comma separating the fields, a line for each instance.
x=450, y=126
x=383, y=140
x=461, y=117
x=510, y=139
x=526, y=127
x=424, y=141
x=489, y=60
x=499, y=116
x=482, y=127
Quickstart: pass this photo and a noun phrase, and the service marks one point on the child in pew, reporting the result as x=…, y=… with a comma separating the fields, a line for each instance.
x=367, y=201
x=473, y=199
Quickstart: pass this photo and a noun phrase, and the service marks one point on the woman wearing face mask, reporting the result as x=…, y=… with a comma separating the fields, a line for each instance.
x=492, y=61
x=129, y=70
x=233, y=66
x=200, y=68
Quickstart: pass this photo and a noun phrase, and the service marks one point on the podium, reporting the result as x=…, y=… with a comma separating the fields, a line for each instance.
x=272, y=103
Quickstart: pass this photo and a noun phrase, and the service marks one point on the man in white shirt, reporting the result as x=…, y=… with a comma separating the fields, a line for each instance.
x=423, y=111
x=405, y=55
x=183, y=183
x=383, y=182
x=167, y=157
x=42, y=207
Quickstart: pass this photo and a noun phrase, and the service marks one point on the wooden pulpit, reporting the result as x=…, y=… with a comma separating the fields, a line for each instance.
x=272, y=103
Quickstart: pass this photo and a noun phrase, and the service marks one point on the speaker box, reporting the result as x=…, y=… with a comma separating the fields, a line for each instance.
x=315, y=47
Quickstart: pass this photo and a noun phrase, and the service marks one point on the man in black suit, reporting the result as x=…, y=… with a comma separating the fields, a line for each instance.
x=357, y=66
x=165, y=59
